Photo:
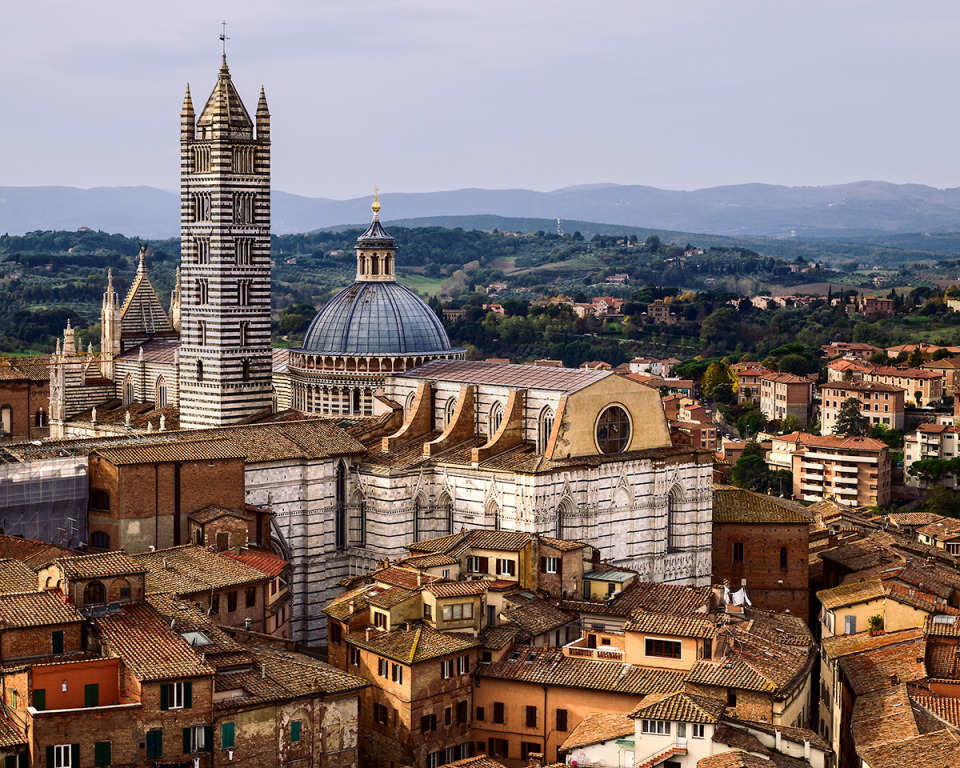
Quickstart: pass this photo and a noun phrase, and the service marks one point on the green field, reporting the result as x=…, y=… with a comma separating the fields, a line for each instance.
x=424, y=285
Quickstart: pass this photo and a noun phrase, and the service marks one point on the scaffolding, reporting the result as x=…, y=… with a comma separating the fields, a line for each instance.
x=44, y=498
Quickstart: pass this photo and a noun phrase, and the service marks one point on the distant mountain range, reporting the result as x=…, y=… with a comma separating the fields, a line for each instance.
x=848, y=211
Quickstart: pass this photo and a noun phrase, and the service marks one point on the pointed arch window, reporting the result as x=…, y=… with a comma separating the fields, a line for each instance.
x=340, y=506
x=40, y=418
x=128, y=391
x=496, y=417
x=544, y=429
x=6, y=420
x=448, y=410
x=202, y=333
x=673, y=521
x=446, y=509
x=160, y=393
x=199, y=370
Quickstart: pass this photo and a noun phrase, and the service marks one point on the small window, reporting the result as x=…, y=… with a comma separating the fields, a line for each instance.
x=197, y=738
x=657, y=727
x=295, y=726
x=231, y=601
x=696, y=730
x=850, y=625
x=561, y=720
x=552, y=565
x=498, y=712
x=397, y=674
x=94, y=593
x=99, y=540
x=63, y=756
x=354, y=656
x=251, y=597
x=613, y=430
x=531, y=717
x=481, y=714
x=738, y=551
x=783, y=557
x=667, y=649
x=99, y=500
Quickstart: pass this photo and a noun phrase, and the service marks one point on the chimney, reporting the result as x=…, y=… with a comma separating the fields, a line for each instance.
x=778, y=737
x=806, y=750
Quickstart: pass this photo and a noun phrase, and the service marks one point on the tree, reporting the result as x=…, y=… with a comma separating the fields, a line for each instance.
x=916, y=357
x=918, y=396
x=719, y=376
x=849, y=419
x=789, y=424
x=795, y=364
x=750, y=472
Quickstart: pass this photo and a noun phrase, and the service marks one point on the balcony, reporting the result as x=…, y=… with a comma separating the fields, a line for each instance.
x=587, y=647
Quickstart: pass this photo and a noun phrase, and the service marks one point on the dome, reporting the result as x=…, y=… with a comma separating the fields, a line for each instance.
x=376, y=319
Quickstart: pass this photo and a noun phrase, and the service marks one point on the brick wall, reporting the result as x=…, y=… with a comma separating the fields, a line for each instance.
x=760, y=566
x=25, y=398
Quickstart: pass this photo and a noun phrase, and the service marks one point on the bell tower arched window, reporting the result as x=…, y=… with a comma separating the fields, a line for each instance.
x=340, y=506
x=544, y=429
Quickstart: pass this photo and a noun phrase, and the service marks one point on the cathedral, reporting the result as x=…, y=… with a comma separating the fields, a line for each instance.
x=431, y=442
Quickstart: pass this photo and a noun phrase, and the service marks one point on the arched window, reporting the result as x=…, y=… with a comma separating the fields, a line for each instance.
x=408, y=404
x=120, y=590
x=6, y=420
x=94, y=593
x=783, y=557
x=446, y=509
x=128, y=390
x=160, y=393
x=40, y=420
x=244, y=333
x=98, y=539
x=274, y=400
x=496, y=417
x=544, y=429
x=199, y=370
x=340, y=512
x=448, y=410
x=202, y=333
x=493, y=511
x=673, y=522
x=100, y=499
x=613, y=430
x=245, y=370
x=419, y=505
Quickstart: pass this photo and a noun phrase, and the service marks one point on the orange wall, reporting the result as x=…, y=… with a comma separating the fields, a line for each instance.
x=103, y=672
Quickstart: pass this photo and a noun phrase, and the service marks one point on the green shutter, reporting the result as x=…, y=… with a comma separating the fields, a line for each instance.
x=58, y=641
x=74, y=754
x=102, y=753
x=295, y=731
x=91, y=695
x=188, y=694
x=10, y=761
x=155, y=743
x=228, y=735
x=40, y=699
x=164, y=696
x=208, y=738
x=186, y=740
x=50, y=758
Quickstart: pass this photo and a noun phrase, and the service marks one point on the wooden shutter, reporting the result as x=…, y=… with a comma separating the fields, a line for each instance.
x=499, y=560
x=57, y=641
x=208, y=738
x=484, y=565
x=543, y=564
x=91, y=695
x=164, y=696
x=186, y=740
x=40, y=699
x=295, y=731
x=102, y=753
x=228, y=735
x=188, y=694
x=75, y=754
x=50, y=758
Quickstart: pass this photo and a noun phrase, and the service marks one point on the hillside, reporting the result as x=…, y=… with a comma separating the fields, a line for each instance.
x=864, y=209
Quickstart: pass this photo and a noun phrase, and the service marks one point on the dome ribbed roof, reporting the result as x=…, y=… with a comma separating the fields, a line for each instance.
x=376, y=319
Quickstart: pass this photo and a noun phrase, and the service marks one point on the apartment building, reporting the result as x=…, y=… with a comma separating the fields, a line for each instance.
x=879, y=403
x=854, y=471
x=931, y=441
x=748, y=380
x=784, y=394
x=928, y=383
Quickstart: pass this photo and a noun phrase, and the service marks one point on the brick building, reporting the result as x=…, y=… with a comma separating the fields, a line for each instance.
x=879, y=403
x=928, y=382
x=849, y=349
x=24, y=398
x=763, y=544
x=783, y=395
x=949, y=369
x=748, y=380
x=659, y=311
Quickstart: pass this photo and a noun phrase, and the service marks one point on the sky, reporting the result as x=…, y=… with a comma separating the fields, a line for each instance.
x=432, y=95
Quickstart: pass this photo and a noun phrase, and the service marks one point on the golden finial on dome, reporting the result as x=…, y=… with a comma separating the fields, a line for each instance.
x=376, y=200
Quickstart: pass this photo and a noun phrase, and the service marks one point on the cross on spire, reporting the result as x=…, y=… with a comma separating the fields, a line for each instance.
x=223, y=36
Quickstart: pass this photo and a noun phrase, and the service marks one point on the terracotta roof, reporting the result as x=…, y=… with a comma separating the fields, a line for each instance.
x=431, y=560
x=598, y=727
x=650, y=596
x=190, y=569
x=25, y=368
x=930, y=750
x=860, y=386
x=836, y=442
x=796, y=735
x=197, y=450
x=736, y=505
x=882, y=667
x=149, y=648
x=480, y=761
x=34, y=553
x=499, y=636
x=851, y=594
x=680, y=707
x=535, y=616
x=36, y=609
x=16, y=577
x=412, y=645
x=303, y=675
x=737, y=739
x=457, y=588
x=114, y=412
x=943, y=708
x=101, y=565
x=516, y=376
x=564, y=545
x=735, y=759
x=340, y=607
x=690, y=625
x=844, y=645
x=401, y=576
x=159, y=350
x=391, y=597
x=10, y=735
x=210, y=513
x=261, y=559
x=549, y=666
x=883, y=717
x=942, y=626
x=944, y=529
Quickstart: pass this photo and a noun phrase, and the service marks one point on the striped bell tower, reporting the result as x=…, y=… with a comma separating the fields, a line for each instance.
x=225, y=353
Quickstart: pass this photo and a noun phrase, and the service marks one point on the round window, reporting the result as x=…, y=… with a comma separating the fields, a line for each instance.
x=613, y=430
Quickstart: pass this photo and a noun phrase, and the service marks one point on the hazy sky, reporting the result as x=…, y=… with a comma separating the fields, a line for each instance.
x=426, y=95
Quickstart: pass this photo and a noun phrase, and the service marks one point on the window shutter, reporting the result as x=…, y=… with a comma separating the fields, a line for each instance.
x=40, y=699
x=227, y=735
x=513, y=567
x=484, y=565
x=186, y=740
x=208, y=738
x=164, y=696
x=543, y=564
x=498, y=565
x=50, y=758
x=91, y=695
x=57, y=641
x=74, y=754
x=102, y=753
x=188, y=694
x=295, y=730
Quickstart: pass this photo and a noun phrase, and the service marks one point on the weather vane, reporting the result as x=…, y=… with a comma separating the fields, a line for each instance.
x=223, y=37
